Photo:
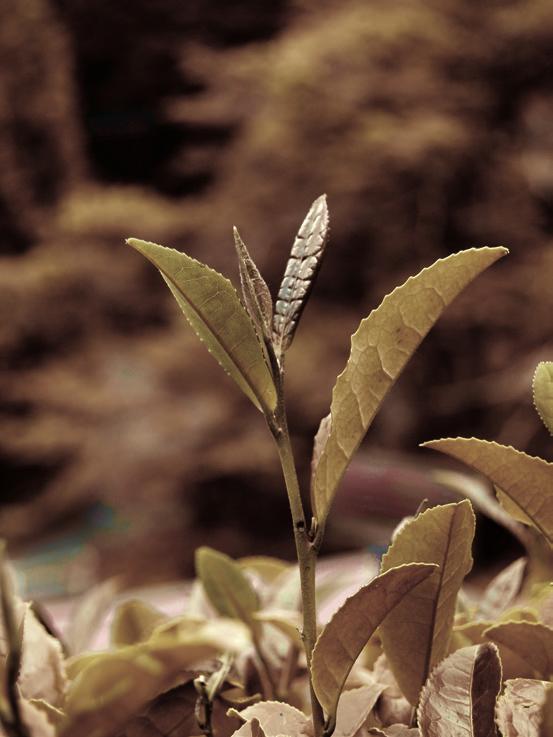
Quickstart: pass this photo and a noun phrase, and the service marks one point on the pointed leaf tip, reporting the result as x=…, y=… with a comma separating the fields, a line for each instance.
x=542, y=385
x=380, y=350
x=214, y=311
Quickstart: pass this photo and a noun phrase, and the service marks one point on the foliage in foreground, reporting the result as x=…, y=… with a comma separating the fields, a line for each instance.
x=409, y=653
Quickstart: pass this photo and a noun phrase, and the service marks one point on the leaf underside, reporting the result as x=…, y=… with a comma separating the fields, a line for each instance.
x=415, y=636
x=524, y=483
x=543, y=393
x=214, y=311
x=462, y=691
x=380, y=349
x=351, y=627
x=300, y=273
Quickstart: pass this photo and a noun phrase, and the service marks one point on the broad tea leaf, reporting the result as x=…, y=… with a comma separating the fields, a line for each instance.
x=225, y=584
x=524, y=483
x=214, y=311
x=255, y=291
x=299, y=275
x=341, y=641
x=502, y=590
x=519, y=707
x=543, y=393
x=415, y=636
x=275, y=718
x=134, y=621
x=531, y=641
x=380, y=349
x=459, y=698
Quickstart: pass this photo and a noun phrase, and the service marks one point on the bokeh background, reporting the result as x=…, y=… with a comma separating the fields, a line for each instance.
x=429, y=124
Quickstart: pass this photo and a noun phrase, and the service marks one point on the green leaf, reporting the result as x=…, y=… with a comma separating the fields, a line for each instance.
x=380, y=349
x=134, y=621
x=344, y=637
x=531, y=641
x=543, y=393
x=214, y=311
x=462, y=691
x=524, y=483
x=226, y=586
x=255, y=292
x=415, y=636
x=299, y=275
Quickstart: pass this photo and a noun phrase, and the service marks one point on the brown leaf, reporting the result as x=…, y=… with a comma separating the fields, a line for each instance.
x=543, y=393
x=518, y=712
x=395, y=730
x=415, y=637
x=459, y=697
x=300, y=273
x=255, y=291
x=275, y=718
x=531, y=641
x=354, y=709
x=392, y=706
x=341, y=641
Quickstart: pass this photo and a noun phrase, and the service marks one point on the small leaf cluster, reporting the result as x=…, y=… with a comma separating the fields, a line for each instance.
x=409, y=654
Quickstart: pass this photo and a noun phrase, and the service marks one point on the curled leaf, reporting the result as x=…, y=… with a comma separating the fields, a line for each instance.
x=380, y=349
x=255, y=291
x=225, y=584
x=531, y=641
x=524, y=483
x=519, y=707
x=341, y=641
x=459, y=697
x=415, y=636
x=543, y=393
x=215, y=313
x=299, y=275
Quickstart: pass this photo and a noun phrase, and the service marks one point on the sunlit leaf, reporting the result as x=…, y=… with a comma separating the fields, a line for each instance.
x=264, y=566
x=285, y=621
x=300, y=273
x=341, y=641
x=531, y=641
x=380, y=349
x=458, y=700
x=415, y=636
x=225, y=584
x=502, y=590
x=134, y=621
x=213, y=309
x=543, y=393
x=524, y=483
x=255, y=291
x=519, y=707
x=275, y=718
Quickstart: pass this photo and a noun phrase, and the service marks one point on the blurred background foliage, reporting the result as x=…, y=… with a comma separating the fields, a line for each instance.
x=429, y=124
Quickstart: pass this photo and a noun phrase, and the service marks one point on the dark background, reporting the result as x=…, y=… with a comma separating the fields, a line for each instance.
x=429, y=125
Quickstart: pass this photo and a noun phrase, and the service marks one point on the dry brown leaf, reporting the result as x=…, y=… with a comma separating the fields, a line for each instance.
x=416, y=635
x=459, y=698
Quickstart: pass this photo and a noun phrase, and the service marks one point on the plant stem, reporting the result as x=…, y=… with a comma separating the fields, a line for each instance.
x=307, y=557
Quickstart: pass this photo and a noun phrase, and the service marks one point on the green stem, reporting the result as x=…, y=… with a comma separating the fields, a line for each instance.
x=307, y=556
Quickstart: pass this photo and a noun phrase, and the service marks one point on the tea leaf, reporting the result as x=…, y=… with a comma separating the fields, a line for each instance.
x=275, y=717
x=503, y=590
x=415, y=636
x=134, y=621
x=524, y=483
x=341, y=641
x=225, y=584
x=255, y=292
x=519, y=707
x=91, y=610
x=355, y=707
x=531, y=641
x=380, y=349
x=395, y=730
x=543, y=393
x=264, y=566
x=285, y=621
x=299, y=275
x=213, y=309
x=459, y=697
x=546, y=717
